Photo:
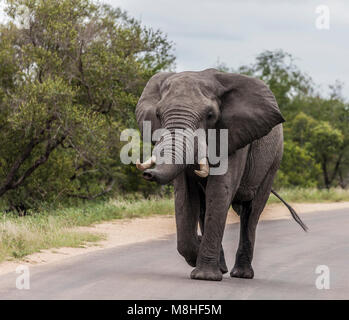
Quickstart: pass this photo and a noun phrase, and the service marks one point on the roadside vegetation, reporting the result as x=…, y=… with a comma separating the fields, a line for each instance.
x=311, y=195
x=47, y=228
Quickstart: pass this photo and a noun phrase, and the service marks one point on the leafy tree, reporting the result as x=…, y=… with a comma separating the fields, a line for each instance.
x=335, y=112
x=326, y=143
x=300, y=128
x=279, y=71
x=298, y=167
x=71, y=74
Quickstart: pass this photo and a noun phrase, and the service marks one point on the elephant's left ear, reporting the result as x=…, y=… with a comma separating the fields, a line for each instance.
x=248, y=108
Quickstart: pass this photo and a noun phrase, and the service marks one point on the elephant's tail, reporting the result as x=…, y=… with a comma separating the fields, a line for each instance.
x=294, y=214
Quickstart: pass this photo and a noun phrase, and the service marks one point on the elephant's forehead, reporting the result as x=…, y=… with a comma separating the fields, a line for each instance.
x=187, y=82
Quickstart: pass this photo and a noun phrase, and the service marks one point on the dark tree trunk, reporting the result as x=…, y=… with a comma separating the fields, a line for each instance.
x=328, y=179
x=342, y=182
x=337, y=166
x=325, y=174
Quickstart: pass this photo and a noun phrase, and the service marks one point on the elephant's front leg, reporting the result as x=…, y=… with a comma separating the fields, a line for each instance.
x=222, y=263
x=220, y=190
x=187, y=206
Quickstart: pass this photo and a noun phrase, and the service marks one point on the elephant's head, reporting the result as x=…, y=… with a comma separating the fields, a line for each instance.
x=207, y=99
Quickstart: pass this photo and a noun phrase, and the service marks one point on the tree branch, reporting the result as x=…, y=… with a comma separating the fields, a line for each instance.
x=9, y=181
x=82, y=80
x=49, y=148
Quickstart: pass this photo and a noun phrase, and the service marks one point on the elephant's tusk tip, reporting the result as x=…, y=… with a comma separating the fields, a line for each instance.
x=201, y=173
x=204, y=168
x=139, y=165
x=146, y=165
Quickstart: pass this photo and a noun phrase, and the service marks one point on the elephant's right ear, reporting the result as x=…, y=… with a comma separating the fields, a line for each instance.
x=146, y=106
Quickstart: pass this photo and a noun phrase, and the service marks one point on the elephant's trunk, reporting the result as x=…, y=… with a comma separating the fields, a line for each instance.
x=163, y=173
x=177, y=148
x=169, y=160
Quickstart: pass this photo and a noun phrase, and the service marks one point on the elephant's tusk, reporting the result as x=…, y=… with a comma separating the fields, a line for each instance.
x=147, y=164
x=204, y=168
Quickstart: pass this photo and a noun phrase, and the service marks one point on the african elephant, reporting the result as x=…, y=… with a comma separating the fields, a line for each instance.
x=247, y=109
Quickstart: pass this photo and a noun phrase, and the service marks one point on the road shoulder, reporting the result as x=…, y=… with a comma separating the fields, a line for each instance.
x=129, y=231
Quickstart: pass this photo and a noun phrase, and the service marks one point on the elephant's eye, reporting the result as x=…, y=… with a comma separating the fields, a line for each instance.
x=209, y=115
x=158, y=114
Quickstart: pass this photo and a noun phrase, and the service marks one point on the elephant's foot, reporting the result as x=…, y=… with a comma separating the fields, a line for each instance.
x=190, y=254
x=191, y=259
x=189, y=250
x=207, y=273
x=222, y=265
x=245, y=272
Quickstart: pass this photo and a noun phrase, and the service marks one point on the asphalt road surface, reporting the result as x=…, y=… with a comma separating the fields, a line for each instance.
x=285, y=265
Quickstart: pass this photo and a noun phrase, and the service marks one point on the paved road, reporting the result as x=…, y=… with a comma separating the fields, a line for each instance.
x=285, y=263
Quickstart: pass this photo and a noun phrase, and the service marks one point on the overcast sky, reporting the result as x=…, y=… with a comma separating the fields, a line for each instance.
x=235, y=31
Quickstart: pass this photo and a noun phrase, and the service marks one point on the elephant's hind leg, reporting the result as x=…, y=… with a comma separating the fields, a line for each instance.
x=243, y=260
x=249, y=216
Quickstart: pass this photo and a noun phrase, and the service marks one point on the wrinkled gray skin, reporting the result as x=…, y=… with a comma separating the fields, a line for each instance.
x=247, y=108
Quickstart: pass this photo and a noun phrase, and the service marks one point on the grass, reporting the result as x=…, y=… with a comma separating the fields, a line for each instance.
x=53, y=228
x=21, y=236
x=311, y=195
x=114, y=209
